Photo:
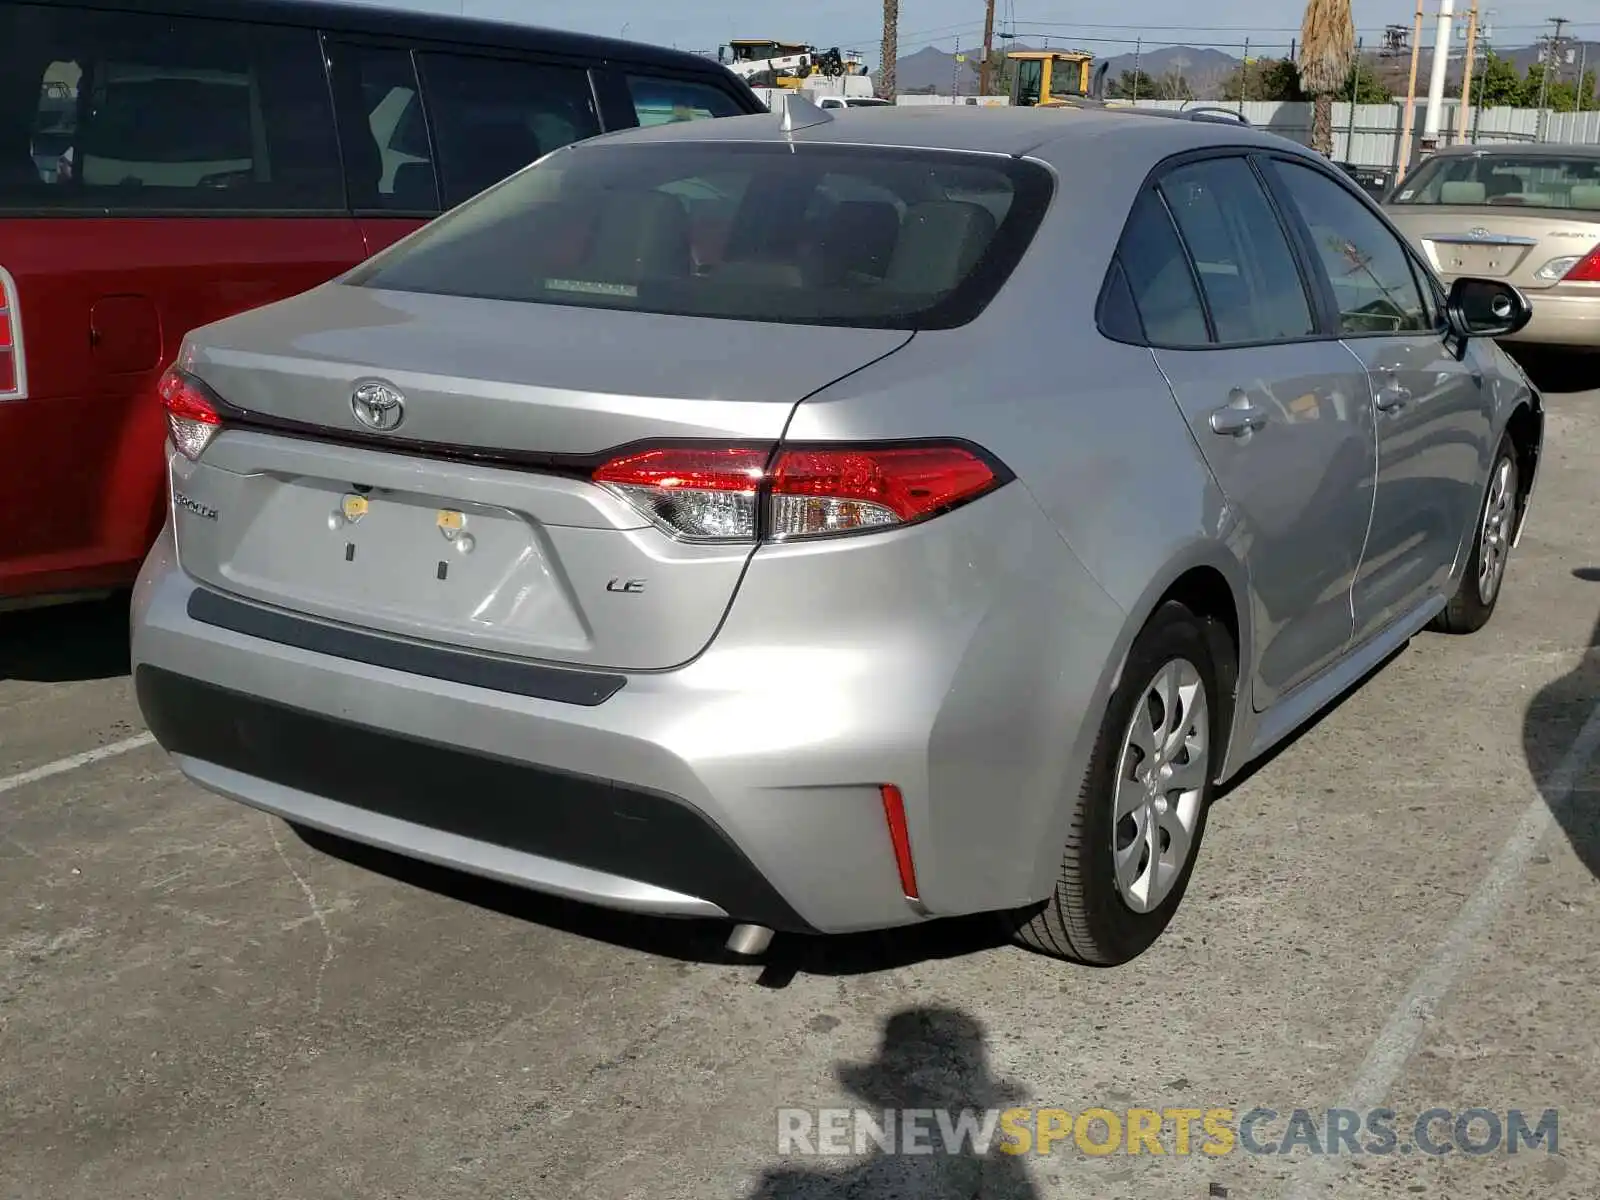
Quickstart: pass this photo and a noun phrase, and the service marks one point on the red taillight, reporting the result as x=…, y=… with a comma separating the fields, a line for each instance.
x=13, y=371
x=728, y=494
x=698, y=493
x=1586, y=269
x=192, y=419
x=838, y=491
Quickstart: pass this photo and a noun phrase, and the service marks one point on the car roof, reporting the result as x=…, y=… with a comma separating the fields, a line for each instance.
x=412, y=25
x=971, y=128
x=1521, y=150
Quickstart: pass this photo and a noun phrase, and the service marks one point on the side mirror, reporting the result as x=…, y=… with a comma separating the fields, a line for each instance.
x=1486, y=308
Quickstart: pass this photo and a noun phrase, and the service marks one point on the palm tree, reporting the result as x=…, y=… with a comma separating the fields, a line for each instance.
x=1327, y=52
x=891, y=33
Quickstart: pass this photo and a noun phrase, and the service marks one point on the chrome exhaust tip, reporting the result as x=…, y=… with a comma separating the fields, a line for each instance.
x=749, y=939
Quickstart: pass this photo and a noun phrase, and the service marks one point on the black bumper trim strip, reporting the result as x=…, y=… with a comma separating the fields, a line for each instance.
x=538, y=682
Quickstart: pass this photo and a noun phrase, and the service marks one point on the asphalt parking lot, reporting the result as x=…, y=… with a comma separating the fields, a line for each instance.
x=1397, y=911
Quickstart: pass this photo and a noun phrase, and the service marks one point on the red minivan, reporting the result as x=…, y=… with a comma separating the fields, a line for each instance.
x=165, y=163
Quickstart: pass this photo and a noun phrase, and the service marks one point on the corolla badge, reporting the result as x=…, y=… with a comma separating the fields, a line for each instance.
x=378, y=406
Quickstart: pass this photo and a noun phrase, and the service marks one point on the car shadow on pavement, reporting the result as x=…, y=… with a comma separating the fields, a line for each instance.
x=682, y=939
x=1549, y=729
x=932, y=1059
x=66, y=643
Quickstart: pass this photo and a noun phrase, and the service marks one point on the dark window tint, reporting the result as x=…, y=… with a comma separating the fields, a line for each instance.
x=492, y=117
x=663, y=101
x=1370, y=270
x=766, y=232
x=105, y=110
x=1159, y=277
x=387, y=156
x=1240, y=251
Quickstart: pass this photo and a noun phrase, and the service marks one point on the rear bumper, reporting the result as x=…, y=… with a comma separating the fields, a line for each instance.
x=745, y=785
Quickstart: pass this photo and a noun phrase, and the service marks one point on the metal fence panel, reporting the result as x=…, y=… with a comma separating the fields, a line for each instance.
x=1372, y=137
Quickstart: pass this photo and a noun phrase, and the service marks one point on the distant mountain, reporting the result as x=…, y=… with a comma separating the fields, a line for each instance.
x=1206, y=68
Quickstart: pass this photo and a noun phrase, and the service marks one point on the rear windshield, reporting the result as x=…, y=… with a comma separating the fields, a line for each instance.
x=1513, y=180
x=838, y=235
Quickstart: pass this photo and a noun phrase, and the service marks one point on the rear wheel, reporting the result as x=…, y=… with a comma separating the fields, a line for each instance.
x=1473, y=604
x=1141, y=812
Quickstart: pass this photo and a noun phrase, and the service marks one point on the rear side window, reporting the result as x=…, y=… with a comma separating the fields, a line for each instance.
x=1247, y=271
x=492, y=117
x=1159, y=277
x=133, y=112
x=662, y=101
x=388, y=158
x=764, y=232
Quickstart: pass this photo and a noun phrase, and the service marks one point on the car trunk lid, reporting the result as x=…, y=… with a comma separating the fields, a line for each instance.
x=1498, y=242
x=473, y=520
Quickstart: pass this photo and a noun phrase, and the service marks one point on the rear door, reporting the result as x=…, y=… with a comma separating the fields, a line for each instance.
x=1433, y=411
x=156, y=173
x=1280, y=410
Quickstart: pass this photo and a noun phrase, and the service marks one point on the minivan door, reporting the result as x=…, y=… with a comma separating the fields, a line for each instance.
x=156, y=173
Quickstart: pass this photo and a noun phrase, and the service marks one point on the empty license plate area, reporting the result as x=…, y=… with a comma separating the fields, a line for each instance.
x=1478, y=258
x=425, y=565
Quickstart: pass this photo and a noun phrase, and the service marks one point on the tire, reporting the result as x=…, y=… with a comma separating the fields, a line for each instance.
x=1091, y=917
x=1483, y=581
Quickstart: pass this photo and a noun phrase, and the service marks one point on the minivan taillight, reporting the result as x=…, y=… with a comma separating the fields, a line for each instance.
x=13, y=367
x=192, y=419
x=732, y=494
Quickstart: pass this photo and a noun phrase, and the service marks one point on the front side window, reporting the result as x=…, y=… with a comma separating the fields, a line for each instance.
x=1240, y=251
x=810, y=234
x=1374, y=285
x=1505, y=178
x=1030, y=80
x=663, y=101
x=492, y=117
x=123, y=111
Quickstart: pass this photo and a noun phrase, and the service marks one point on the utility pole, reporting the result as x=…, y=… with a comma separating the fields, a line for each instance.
x=1411, y=97
x=1441, y=64
x=1244, y=76
x=1138, y=57
x=1355, y=91
x=988, y=48
x=1548, y=61
x=1466, y=71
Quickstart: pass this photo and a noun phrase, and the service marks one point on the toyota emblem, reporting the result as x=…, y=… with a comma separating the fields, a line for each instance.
x=378, y=406
x=1478, y=232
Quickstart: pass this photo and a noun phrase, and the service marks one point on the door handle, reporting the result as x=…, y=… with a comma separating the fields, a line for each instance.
x=1393, y=395
x=1239, y=418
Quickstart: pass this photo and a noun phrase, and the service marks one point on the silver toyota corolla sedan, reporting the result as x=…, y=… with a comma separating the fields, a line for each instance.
x=827, y=525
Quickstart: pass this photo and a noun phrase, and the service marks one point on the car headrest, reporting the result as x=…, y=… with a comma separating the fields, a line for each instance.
x=1462, y=192
x=939, y=242
x=856, y=236
x=413, y=186
x=641, y=235
x=1586, y=195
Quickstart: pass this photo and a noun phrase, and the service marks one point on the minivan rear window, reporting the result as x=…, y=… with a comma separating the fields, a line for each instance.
x=117, y=111
x=808, y=234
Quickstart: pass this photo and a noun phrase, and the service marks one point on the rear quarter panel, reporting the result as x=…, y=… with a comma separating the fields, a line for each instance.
x=1094, y=436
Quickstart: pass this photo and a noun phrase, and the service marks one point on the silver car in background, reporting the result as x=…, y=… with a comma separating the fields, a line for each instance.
x=831, y=525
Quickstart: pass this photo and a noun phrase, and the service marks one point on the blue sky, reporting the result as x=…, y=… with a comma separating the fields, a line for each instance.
x=703, y=24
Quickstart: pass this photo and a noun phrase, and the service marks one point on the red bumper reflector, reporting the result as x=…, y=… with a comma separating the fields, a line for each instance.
x=894, y=812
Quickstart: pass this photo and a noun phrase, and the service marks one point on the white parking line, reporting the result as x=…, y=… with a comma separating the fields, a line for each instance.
x=74, y=762
x=1398, y=1039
